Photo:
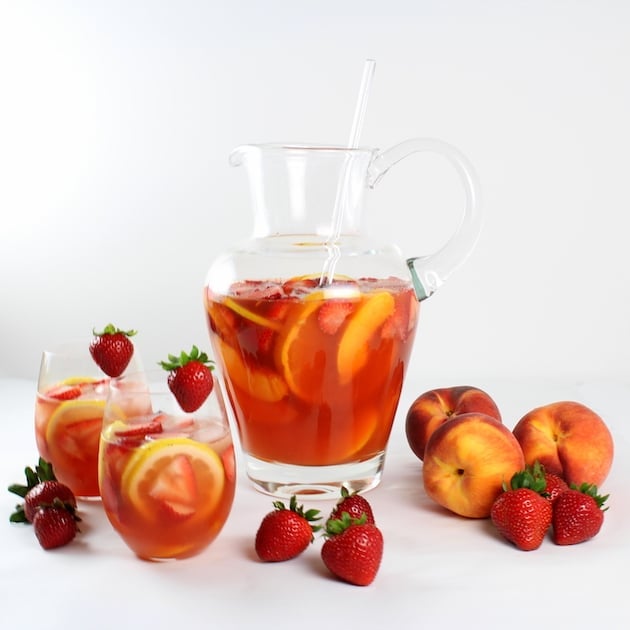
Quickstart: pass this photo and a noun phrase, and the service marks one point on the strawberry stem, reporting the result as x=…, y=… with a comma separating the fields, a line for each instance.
x=110, y=329
x=336, y=526
x=591, y=490
x=43, y=472
x=311, y=515
x=176, y=362
x=532, y=477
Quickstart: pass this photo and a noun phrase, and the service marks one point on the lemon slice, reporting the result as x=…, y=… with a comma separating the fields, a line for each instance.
x=110, y=430
x=353, y=350
x=74, y=429
x=185, y=476
x=250, y=315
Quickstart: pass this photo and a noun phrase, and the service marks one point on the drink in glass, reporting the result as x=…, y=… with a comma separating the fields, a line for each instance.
x=71, y=393
x=167, y=478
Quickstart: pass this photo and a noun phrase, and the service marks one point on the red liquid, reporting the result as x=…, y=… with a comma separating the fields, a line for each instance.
x=67, y=434
x=314, y=377
x=167, y=494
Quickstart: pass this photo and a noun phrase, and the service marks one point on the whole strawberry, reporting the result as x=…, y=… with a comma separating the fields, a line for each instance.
x=54, y=526
x=48, y=504
x=112, y=349
x=44, y=494
x=190, y=378
x=353, y=549
x=354, y=504
x=43, y=472
x=521, y=514
x=578, y=514
x=555, y=486
x=286, y=532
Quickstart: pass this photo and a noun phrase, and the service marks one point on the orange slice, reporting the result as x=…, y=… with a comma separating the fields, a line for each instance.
x=353, y=352
x=261, y=383
x=177, y=474
x=300, y=342
x=74, y=429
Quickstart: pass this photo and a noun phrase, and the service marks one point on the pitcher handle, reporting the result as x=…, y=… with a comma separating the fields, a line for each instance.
x=429, y=272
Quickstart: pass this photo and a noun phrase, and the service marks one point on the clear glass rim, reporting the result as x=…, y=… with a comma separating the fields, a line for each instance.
x=299, y=148
x=69, y=347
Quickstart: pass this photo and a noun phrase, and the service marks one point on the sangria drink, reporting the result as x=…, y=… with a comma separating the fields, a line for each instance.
x=314, y=375
x=68, y=419
x=71, y=393
x=167, y=478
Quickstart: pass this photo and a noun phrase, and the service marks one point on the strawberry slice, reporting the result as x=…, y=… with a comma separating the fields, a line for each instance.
x=264, y=339
x=278, y=310
x=223, y=321
x=333, y=314
x=64, y=392
x=300, y=285
x=400, y=323
x=257, y=290
x=175, y=487
x=140, y=430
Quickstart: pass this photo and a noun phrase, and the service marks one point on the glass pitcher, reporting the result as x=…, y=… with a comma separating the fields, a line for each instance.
x=312, y=321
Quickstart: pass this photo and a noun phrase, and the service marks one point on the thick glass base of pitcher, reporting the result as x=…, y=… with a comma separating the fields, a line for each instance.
x=313, y=482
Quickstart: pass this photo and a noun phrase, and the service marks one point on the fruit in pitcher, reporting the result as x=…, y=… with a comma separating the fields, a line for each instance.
x=313, y=373
x=436, y=406
x=285, y=532
x=333, y=314
x=353, y=352
x=112, y=349
x=190, y=378
x=466, y=462
x=569, y=440
x=353, y=550
x=521, y=513
x=578, y=514
x=266, y=383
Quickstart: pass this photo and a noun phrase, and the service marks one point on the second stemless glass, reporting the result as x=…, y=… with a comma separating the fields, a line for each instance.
x=167, y=478
x=71, y=393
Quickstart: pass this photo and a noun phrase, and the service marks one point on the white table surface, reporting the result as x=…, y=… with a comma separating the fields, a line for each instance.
x=438, y=570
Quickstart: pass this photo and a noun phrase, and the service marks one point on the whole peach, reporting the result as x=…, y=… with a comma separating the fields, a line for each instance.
x=466, y=461
x=569, y=440
x=433, y=408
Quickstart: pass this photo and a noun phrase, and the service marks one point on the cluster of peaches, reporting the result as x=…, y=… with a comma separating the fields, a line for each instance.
x=468, y=453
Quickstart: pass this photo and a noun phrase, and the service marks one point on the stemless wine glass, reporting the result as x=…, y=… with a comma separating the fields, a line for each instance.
x=167, y=478
x=71, y=393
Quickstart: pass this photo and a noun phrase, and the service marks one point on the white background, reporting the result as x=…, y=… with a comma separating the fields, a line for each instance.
x=117, y=118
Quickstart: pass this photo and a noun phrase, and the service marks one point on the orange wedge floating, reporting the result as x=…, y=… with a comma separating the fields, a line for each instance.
x=300, y=342
x=353, y=350
x=259, y=382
